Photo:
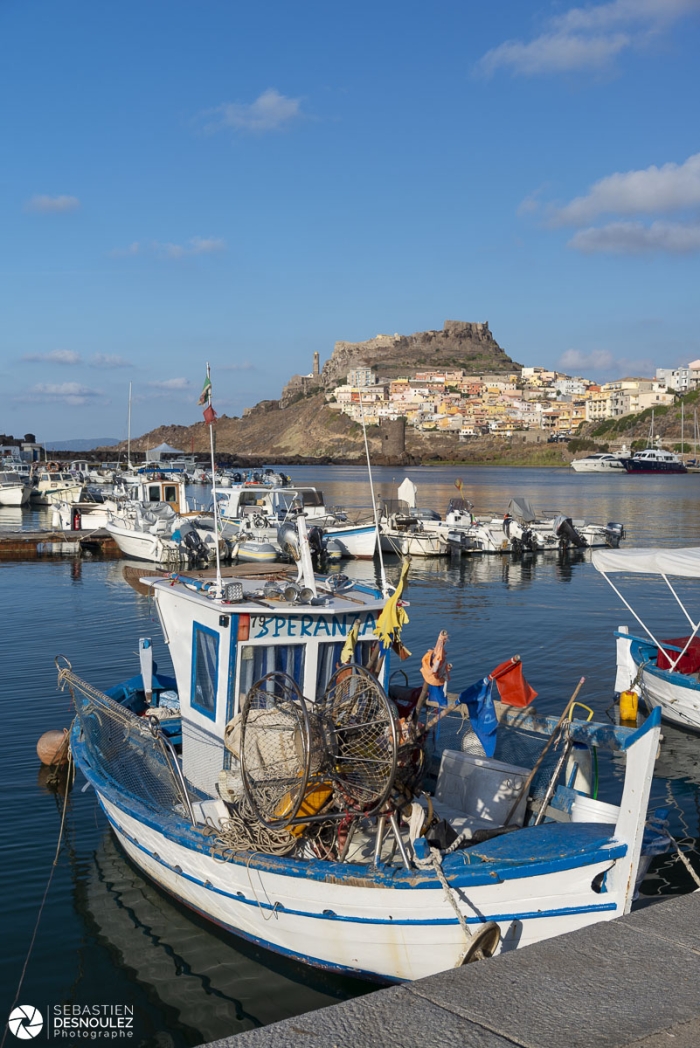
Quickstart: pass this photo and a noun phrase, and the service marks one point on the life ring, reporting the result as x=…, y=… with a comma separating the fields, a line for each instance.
x=53, y=467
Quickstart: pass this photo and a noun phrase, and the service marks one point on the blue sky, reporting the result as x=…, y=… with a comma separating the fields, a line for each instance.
x=248, y=183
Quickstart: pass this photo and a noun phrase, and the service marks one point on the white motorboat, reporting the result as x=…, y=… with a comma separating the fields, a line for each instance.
x=244, y=787
x=51, y=485
x=522, y=530
x=600, y=462
x=665, y=673
x=91, y=514
x=14, y=490
x=268, y=506
x=155, y=532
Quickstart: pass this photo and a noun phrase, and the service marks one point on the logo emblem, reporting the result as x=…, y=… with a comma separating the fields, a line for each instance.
x=26, y=1022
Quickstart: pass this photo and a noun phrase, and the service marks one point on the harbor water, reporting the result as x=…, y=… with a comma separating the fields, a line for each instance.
x=106, y=934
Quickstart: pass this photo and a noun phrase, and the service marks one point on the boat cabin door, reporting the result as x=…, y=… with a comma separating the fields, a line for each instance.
x=164, y=491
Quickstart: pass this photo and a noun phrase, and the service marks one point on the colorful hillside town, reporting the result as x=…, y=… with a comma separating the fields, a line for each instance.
x=550, y=403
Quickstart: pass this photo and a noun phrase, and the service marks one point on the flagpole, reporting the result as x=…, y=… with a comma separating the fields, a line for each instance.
x=219, y=584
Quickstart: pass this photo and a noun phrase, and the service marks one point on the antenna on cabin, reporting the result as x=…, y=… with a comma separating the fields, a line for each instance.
x=210, y=418
x=382, y=572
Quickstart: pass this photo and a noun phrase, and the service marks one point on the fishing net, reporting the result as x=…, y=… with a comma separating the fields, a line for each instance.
x=125, y=749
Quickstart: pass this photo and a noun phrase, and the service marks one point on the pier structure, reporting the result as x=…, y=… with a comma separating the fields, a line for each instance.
x=629, y=983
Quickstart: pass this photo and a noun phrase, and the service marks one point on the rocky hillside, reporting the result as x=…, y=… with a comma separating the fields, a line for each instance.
x=458, y=345
x=308, y=429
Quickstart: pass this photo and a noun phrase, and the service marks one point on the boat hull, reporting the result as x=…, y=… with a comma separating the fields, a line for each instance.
x=14, y=495
x=376, y=932
x=356, y=542
x=634, y=466
x=140, y=545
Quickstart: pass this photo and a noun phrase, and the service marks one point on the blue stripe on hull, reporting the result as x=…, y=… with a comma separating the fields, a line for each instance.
x=238, y=897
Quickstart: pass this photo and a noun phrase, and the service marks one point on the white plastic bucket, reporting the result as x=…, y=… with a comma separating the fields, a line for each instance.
x=586, y=809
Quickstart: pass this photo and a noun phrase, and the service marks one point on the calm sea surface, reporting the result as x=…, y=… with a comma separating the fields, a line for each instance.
x=106, y=934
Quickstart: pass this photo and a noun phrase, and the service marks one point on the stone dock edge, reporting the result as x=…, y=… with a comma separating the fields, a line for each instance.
x=630, y=982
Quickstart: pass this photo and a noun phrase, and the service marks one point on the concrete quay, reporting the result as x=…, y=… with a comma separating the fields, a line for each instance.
x=629, y=983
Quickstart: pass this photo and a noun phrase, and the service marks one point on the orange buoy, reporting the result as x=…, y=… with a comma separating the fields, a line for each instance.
x=52, y=747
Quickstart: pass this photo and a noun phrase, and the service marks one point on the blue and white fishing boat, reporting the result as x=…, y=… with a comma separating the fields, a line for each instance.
x=665, y=673
x=274, y=787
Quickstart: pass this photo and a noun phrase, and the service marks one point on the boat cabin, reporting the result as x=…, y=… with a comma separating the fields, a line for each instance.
x=242, y=500
x=220, y=648
x=170, y=491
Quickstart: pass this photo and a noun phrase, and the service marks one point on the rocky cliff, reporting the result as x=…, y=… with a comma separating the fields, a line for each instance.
x=458, y=345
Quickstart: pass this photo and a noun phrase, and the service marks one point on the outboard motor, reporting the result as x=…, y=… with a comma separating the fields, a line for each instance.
x=567, y=533
x=615, y=533
x=316, y=543
x=289, y=540
x=194, y=547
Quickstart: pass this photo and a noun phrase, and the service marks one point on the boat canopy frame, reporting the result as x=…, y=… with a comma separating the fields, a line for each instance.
x=681, y=563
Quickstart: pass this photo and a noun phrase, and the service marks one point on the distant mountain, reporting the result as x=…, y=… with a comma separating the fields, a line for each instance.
x=87, y=444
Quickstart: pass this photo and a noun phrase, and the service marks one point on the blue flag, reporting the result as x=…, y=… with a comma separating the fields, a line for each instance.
x=482, y=713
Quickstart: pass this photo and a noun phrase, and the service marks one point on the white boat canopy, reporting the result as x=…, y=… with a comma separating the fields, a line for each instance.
x=683, y=563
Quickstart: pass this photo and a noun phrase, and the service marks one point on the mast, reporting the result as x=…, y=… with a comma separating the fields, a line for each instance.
x=128, y=433
x=219, y=585
x=682, y=429
x=382, y=572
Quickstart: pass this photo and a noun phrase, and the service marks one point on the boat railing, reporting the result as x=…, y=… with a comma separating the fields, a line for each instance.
x=131, y=751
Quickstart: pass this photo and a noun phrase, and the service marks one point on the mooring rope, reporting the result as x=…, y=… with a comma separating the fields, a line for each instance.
x=43, y=901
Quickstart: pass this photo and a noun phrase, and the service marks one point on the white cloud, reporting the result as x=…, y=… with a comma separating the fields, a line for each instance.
x=109, y=360
x=56, y=356
x=171, y=384
x=596, y=360
x=602, y=365
x=52, y=205
x=670, y=187
x=193, y=246
x=634, y=238
x=245, y=365
x=62, y=392
x=271, y=111
x=587, y=37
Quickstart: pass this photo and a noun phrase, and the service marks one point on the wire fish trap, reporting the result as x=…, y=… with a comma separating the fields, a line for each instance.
x=304, y=763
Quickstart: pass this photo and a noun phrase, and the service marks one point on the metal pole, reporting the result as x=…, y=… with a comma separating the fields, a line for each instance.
x=385, y=587
x=219, y=584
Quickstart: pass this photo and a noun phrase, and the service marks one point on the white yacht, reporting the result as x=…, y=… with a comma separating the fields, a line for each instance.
x=14, y=489
x=601, y=462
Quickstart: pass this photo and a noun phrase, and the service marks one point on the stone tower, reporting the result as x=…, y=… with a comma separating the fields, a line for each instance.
x=316, y=368
x=393, y=436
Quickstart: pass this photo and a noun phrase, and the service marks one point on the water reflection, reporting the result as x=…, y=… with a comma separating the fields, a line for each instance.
x=208, y=982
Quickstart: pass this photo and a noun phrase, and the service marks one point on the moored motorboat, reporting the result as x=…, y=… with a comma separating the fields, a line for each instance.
x=600, y=462
x=655, y=460
x=14, y=489
x=665, y=673
x=266, y=786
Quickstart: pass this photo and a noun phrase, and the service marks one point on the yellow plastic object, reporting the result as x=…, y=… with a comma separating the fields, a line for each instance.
x=583, y=707
x=629, y=701
x=315, y=798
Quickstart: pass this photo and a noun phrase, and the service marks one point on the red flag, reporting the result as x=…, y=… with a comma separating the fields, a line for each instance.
x=209, y=415
x=513, y=689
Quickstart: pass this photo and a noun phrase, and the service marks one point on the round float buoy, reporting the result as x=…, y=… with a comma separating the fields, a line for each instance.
x=52, y=747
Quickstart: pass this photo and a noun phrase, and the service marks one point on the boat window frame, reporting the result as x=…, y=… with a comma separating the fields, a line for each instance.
x=310, y=656
x=203, y=710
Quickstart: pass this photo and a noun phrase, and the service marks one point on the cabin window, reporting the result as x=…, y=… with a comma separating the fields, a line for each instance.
x=257, y=660
x=329, y=660
x=312, y=498
x=154, y=493
x=205, y=670
x=170, y=493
